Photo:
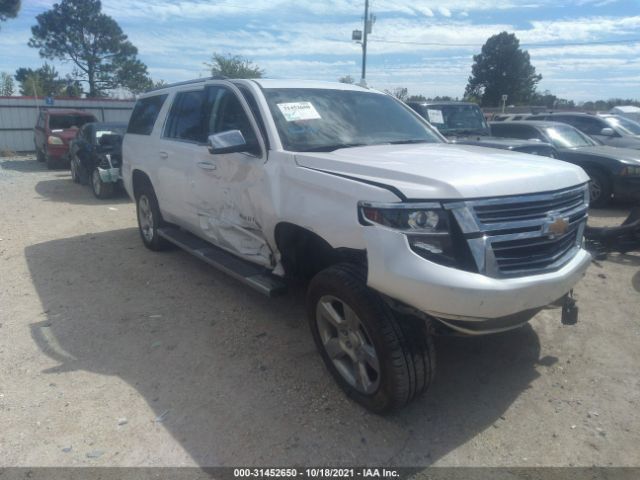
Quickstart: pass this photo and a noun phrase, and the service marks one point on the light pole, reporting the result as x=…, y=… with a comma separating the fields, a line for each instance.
x=361, y=37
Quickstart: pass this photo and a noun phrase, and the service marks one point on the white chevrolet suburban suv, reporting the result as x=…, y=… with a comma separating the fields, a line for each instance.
x=399, y=234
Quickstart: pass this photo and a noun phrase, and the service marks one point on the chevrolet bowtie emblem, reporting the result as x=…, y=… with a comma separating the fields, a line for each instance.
x=556, y=226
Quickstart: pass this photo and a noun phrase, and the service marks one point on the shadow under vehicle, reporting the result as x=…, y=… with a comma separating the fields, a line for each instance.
x=613, y=171
x=96, y=157
x=237, y=372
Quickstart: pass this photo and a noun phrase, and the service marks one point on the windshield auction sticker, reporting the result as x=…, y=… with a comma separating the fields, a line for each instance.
x=435, y=116
x=298, y=111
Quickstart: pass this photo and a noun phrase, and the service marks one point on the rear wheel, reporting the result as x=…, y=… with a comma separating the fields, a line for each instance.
x=380, y=361
x=149, y=219
x=100, y=189
x=599, y=189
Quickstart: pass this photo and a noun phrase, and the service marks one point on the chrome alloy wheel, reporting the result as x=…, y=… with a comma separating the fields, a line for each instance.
x=348, y=344
x=145, y=218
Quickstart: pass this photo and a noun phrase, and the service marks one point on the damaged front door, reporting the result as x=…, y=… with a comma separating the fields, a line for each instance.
x=228, y=187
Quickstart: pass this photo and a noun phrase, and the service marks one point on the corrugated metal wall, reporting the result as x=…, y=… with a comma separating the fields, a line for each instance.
x=18, y=116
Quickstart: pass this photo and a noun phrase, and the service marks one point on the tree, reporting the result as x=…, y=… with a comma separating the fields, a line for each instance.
x=104, y=59
x=234, y=66
x=416, y=98
x=41, y=81
x=7, y=87
x=502, y=68
x=347, y=79
x=401, y=93
x=9, y=9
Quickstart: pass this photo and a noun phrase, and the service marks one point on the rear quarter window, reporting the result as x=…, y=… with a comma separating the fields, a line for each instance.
x=144, y=115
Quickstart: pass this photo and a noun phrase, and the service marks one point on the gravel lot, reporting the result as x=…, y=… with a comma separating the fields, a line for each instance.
x=114, y=355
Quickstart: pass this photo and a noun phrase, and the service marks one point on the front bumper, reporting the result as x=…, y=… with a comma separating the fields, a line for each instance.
x=58, y=152
x=626, y=187
x=469, y=302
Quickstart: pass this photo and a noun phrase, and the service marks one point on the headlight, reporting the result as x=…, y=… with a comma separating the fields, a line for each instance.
x=53, y=140
x=630, y=171
x=426, y=225
x=407, y=217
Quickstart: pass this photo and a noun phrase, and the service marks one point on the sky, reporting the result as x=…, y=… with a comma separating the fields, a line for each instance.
x=584, y=49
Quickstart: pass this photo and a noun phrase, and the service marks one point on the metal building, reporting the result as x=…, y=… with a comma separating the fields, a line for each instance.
x=18, y=116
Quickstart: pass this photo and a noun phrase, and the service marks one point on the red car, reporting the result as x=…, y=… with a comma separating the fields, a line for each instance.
x=53, y=133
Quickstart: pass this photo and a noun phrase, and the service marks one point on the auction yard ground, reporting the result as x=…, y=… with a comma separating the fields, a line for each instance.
x=113, y=355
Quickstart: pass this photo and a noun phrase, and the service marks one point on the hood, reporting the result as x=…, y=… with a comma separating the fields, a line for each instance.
x=447, y=171
x=625, y=155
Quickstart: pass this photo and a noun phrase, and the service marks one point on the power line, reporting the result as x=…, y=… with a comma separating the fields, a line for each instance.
x=568, y=44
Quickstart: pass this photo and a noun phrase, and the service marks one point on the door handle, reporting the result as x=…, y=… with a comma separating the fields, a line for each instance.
x=164, y=155
x=207, y=165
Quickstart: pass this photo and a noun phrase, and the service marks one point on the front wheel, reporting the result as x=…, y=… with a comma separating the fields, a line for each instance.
x=380, y=361
x=75, y=170
x=100, y=189
x=599, y=189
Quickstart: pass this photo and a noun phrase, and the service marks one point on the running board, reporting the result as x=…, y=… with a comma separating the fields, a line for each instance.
x=246, y=272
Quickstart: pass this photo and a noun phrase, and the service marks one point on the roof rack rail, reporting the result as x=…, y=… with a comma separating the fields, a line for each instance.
x=189, y=82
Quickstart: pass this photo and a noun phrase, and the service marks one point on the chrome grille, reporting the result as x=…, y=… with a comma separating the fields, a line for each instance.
x=515, y=236
x=508, y=212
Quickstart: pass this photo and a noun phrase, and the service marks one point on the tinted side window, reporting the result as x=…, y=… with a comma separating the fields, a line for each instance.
x=590, y=126
x=522, y=132
x=187, y=119
x=227, y=114
x=145, y=114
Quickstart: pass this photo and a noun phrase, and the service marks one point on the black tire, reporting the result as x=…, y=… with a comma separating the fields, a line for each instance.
x=149, y=235
x=600, y=188
x=75, y=171
x=404, y=349
x=40, y=156
x=100, y=189
x=52, y=164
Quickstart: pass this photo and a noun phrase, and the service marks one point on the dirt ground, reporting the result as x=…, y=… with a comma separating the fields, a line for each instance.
x=113, y=355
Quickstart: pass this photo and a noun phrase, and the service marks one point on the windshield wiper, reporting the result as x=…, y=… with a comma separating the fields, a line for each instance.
x=406, y=142
x=331, y=148
x=467, y=131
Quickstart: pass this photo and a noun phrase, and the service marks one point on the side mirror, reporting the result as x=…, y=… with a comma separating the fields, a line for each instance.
x=231, y=141
x=607, y=132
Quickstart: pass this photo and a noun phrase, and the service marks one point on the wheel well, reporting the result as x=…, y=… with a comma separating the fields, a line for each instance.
x=139, y=179
x=305, y=253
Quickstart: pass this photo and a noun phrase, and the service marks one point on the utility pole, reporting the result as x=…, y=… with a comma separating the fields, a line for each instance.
x=367, y=28
x=361, y=38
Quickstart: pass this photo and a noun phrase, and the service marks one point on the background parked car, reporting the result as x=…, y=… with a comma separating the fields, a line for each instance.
x=612, y=130
x=464, y=123
x=54, y=131
x=96, y=156
x=612, y=170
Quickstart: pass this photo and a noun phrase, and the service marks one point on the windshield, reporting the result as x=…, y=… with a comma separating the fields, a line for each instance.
x=455, y=119
x=65, y=122
x=326, y=119
x=627, y=126
x=568, y=137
